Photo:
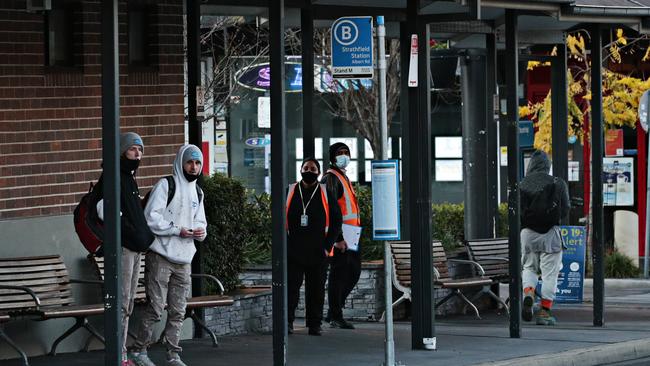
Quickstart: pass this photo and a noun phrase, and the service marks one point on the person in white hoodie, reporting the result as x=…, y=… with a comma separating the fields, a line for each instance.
x=176, y=224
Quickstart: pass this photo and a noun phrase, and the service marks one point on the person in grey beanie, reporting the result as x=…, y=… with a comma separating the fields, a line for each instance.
x=176, y=223
x=136, y=236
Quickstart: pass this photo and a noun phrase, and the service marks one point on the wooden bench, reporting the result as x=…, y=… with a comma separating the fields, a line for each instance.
x=193, y=303
x=39, y=288
x=493, y=256
x=401, y=260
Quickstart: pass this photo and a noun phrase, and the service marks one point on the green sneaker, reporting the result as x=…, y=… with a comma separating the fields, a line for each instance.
x=527, y=308
x=544, y=317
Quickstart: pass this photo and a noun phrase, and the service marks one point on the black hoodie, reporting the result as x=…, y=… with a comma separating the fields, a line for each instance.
x=537, y=177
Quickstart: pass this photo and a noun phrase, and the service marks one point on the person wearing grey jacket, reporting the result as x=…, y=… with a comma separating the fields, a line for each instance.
x=541, y=240
x=176, y=224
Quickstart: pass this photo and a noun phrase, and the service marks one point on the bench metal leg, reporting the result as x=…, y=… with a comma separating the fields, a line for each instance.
x=198, y=322
x=457, y=292
x=81, y=322
x=404, y=297
x=13, y=345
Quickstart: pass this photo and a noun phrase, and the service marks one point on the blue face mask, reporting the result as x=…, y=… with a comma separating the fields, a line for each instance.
x=342, y=161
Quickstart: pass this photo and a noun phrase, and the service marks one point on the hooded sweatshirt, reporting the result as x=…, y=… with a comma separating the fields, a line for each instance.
x=185, y=210
x=537, y=177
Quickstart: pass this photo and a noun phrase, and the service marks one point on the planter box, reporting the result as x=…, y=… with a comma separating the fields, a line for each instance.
x=252, y=309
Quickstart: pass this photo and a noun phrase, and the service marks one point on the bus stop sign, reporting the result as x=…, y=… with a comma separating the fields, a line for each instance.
x=352, y=48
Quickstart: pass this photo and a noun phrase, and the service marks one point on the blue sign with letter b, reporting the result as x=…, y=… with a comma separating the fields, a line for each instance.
x=352, y=56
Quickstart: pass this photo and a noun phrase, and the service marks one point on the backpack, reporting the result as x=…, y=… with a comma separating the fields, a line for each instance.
x=541, y=209
x=171, y=189
x=87, y=224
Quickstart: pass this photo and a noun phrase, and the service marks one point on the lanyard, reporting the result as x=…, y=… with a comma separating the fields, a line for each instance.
x=302, y=200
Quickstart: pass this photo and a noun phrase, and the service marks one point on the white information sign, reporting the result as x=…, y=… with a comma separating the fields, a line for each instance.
x=385, y=200
x=264, y=112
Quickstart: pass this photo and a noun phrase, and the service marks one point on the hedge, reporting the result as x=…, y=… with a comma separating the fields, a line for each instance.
x=239, y=228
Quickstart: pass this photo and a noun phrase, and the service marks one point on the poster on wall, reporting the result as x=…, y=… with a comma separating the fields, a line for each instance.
x=618, y=181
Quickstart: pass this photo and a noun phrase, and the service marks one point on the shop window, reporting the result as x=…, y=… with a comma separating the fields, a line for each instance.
x=448, y=164
x=59, y=37
x=138, y=33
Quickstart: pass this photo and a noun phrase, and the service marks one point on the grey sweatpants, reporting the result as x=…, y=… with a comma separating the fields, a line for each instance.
x=130, y=272
x=546, y=264
x=168, y=285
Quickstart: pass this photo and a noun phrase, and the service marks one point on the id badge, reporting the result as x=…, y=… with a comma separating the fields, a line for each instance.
x=304, y=220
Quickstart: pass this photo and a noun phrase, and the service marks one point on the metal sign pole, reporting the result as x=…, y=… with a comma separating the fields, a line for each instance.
x=383, y=122
x=647, y=206
x=644, y=119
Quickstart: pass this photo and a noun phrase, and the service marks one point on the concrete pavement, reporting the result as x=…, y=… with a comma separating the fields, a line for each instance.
x=461, y=340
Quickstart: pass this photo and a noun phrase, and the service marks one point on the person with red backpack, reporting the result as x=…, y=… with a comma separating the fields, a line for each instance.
x=136, y=236
x=176, y=215
x=544, y=202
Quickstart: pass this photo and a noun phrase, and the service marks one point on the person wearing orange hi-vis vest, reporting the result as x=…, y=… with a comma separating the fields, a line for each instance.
x=345, y=263
x=313, y=224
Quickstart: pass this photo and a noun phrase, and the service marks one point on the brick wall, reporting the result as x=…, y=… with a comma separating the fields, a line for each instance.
x=50, y=119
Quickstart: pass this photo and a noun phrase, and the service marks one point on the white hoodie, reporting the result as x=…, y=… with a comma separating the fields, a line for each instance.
x=184, y=210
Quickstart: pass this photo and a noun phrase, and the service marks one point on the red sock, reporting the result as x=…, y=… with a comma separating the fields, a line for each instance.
x=529, y=291
x=546, y=304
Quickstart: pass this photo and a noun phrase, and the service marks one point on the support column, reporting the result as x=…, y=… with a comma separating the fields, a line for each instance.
x=405, y=31
x=598, y=236
x=193, y=9
x=492, y=135
x=111, y=184
x=512, y=121
x=473, y=86
x=308, y=125
x=560, y=116
x=419, y=182
x=278, y=182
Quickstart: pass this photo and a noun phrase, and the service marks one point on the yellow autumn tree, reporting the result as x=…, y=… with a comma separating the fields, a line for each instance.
x=621, y=93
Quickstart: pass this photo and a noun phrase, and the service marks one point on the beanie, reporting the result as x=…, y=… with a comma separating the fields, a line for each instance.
x=334, y=148
x=192, y=153
x=129, y=139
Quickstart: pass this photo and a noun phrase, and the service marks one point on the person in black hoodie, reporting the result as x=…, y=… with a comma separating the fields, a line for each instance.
x=313, y=224
x=136, y=236
x=544, y=202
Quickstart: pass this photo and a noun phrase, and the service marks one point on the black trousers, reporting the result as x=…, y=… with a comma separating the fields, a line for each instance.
x=314, y=275
x=345, y=269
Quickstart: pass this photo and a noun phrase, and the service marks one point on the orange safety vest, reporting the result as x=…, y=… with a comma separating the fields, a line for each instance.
x=348, y=202
x=323, y=197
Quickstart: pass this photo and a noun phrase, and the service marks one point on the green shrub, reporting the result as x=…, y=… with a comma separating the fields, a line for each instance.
x=225, y=209
x=448, y=224
x=370, y=249
x=257, y=248
x=618, y=265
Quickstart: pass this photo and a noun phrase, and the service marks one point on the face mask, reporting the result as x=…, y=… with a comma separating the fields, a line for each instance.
x=309, y=177
x=129, y=165
x=190, y=177
x=342, y=161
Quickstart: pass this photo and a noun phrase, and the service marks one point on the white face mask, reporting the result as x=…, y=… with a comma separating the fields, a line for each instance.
x=342, y=161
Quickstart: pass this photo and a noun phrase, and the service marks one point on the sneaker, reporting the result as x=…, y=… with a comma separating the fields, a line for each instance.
x=341, y=323
x=140, y=359
x=527, y=308
x=544, y=317
x=315, y=331
x=175, y=361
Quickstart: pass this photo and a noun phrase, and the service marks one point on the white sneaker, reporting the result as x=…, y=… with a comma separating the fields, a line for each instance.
x=175, y=361
x=141, y=359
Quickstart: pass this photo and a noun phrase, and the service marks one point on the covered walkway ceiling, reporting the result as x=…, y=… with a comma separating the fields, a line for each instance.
x=541, y=22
